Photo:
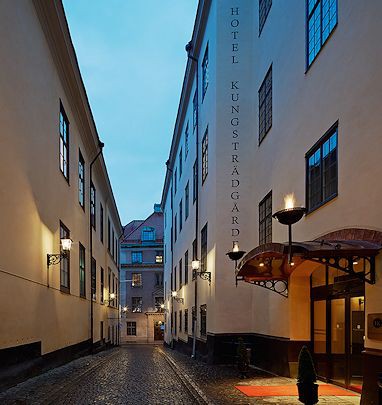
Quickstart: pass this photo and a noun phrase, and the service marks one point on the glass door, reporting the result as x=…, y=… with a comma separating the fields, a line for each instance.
x=338, y=341
x=320, y=337
x=357, y=336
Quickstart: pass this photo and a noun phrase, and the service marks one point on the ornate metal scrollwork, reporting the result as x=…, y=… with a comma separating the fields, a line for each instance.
x=55, y=258
x=278, y=286
x=346, y=264
x=205, y=275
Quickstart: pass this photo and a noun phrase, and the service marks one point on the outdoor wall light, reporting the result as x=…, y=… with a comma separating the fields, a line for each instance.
x=235, y=254
x=112, y=297
x=55, y=258
x=124, y=309
x=174, y=295
x=205, y=275
x=289, y=216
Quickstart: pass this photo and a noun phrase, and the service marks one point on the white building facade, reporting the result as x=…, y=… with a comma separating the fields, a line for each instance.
x=286, y=103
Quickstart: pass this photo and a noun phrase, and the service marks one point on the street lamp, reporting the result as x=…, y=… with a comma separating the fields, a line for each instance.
x=289, y=216
x=174, y=295
x=55, y=258
x=205, y=275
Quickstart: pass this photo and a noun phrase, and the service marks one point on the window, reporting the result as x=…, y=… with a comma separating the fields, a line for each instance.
x=175, y=319
x=195, y=111
x=64, y=143
x=175, y=179
x=265, y=105
x=205, y=156
x=265, y=220
x=136, y=257
x=193, y=320
x=186, y=320
x=131, y=328
x=65, y=261
x=102, y=285
x=101, y=222
x=264, y=7
x=180, y=163
x=205, y=72
x=175, y=227
x=186, y=267
x=81, y=180
x=158, y=279
x=180, y=215
x=322, y=176
x=187, y=200
x=175, y=284
x=108, y=234
x=148, y=234
x=159, y=257
x=195, y=181
x=194, y=250
x=82, y=271
x=203, y=249
x=112, y=244
x=93, y=205
x=186, y=142
x=93, y=278
x=180, y=321
x=158, y=302
x=322, y=19
x=136, y=280
x=203, y=320
x=180, y=273
x=136, y=304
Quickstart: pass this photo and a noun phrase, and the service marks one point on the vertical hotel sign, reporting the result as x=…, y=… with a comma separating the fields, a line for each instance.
x=234, y=122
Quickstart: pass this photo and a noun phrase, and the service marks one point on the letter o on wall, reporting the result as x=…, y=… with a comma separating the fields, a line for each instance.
x=235, y=23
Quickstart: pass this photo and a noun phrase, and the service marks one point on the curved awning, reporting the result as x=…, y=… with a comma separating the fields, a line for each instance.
x=270, y=261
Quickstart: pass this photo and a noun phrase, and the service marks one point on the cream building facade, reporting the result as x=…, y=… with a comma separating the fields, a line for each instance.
x=286, y=103
x=48, y=141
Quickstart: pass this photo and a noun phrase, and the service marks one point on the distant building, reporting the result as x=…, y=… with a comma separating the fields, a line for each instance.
x=53, y=308
x=142, y=279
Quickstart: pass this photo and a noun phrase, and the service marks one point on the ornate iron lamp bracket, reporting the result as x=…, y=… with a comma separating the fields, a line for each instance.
x=348, y=266
x=278, y=286
x=55, y=258
x=205, y=275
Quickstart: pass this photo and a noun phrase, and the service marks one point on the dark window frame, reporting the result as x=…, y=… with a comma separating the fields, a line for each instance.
x=195, y=181
x=203, y=247
x=93, y=202
x=205, y=72
x=264, y=8
x=195, y=110
x=265, y=219
x=205, y=156
x=101, y=225
x=180, y=215
x=65, y=261
x=186, y=201
x=265, y=105
x=186, y=320
x=180, y=273
x=93, y=279
x=131, y=328
x=137, y=305
x=64, y=143
x=82, y=269
x=102, y=285
x=203, y=320
x=186, y=267
x=81, y=180
x=333, y=130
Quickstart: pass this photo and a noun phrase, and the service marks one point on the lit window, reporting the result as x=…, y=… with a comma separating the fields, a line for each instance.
x=322, y=19
x=159, y=257
x=322, y=165
x=136, y=280
x=65, y=261
x=136, y=304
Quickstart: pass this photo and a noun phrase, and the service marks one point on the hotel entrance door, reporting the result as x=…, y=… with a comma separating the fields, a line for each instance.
x=338, y=321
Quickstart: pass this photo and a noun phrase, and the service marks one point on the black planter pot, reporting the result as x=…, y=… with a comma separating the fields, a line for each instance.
x=308, y=393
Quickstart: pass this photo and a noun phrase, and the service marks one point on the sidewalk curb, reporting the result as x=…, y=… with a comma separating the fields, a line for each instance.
x=187, y=380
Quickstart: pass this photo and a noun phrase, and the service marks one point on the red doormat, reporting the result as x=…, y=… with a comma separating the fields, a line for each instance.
x=290, y=390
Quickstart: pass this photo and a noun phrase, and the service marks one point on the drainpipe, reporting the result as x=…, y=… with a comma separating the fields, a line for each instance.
x=189, y=48
x=100, y=145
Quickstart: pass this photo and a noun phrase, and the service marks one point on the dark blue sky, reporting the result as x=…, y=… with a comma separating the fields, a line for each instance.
x=132, y=59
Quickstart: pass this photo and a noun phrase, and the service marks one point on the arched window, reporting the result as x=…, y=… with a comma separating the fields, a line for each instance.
x=148, y=234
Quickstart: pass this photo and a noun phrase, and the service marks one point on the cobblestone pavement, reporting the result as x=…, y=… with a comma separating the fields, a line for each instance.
x=218, y=384
x=127, y=375
x=144, y=374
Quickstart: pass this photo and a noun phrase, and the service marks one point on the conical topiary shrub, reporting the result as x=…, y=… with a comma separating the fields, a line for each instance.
x=307, y=389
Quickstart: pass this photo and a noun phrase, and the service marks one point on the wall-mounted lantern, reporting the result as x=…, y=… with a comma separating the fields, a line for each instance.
x=55, y=258
x=174, y=295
